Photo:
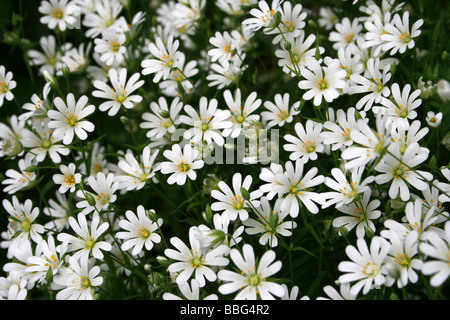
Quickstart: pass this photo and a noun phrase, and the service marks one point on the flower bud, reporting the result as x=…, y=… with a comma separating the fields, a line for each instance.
x=245, y=194
x=163, y=261
x=90, y=199
x=124, y=120
x=207, y=214
x=369, y=233
x=151, y=214
x=65, y=70
x=50, y=79
x=287, y=46
x=31, y=169
x=343, y=232
x=164, y=113
x=49, y=275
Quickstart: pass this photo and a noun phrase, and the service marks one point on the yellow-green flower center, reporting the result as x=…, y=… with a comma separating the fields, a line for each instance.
x=309, y=146
x=322, y=85
x=25, y=225
x=401, y=111
x=403, y=260
x=115, y=46
x=70, y=179
x=3, y=88
x=72, y=120
x=183, y=166
x=58, y=14
x=89, y=243
x=46, y=144
x=143, y=233
x=237, y=202
x=120, y=98
x=371, y=270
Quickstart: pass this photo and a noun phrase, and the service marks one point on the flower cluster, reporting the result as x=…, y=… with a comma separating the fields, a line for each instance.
x=226, y=149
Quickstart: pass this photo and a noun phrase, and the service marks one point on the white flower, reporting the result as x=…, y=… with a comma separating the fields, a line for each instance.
x=163, y=119
x=373, y=85
x=308, y=143
x=231, y=201
x=102, y=17
x=104, y=187
x=17, y=180
x=346, y=190
x=404, y=137
x=403, y=260
x=368, y=144
x=180, y=76
x=351, y=63
x=294, y=187
x=38, y=106
x=346, y=33
x=86, y=243
x=417, y=219
x=195, y=260
x=220, y=234
x=49, y=260
x=58, y=213
x=436, y=250
x=445, y=187
x=137, y=173
x=226, y=72
x=68, y=179
x=269, y=224
x=292, y=23
x=280, y=111
x=22, y=225
x=252, y=281
x=11, y=136
x=78, y=280
x=13, y=287
x=76, y=58
x=367, y=265
x=68, y=120
x=187, y=13
x=400, y=169
x=241, y=111
x=42, y=142
x=58, y=13
x=443, y=90
x=322, y=81
x=182, y=164
x=50, y=59
x=327, y=18
x=292, y=295
x=434, y=120
x=189, y=293
x=399, y=36
x=401, y=110
x=120, y=94
x=343, y=294
x=269, y=175
x=224, y=45
x=206, y=122
x=338, y=133
x=6, y=85
x=375, y=27
x=300, y=55
x=111, y=47
x=165, y=57
x=360, y=214
x=140, y=231
x=262, y=17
